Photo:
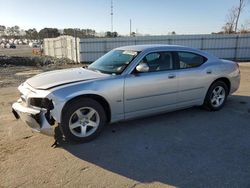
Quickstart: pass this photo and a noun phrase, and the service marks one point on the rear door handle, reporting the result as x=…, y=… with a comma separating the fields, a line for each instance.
x=171, y=76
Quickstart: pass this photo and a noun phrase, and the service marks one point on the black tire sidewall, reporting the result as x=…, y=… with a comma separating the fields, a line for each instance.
x=71, y=107
x=207, y=102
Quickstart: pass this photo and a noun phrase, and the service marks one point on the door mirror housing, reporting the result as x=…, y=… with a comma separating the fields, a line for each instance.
x=142, y=67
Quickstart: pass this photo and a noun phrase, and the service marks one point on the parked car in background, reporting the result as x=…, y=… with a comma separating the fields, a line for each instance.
x=12, y=46
x=34, y=44
x=128, y=82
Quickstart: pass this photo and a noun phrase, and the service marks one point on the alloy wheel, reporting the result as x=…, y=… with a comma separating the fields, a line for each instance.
x=84, y=122
x=218, y=96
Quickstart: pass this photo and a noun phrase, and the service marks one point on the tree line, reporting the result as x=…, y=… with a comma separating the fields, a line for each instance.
x=16, y=32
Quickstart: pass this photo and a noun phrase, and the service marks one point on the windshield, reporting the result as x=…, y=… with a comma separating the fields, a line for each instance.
x=114, y=62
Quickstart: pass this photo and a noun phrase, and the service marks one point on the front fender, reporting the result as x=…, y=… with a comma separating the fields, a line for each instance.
x=111, y=90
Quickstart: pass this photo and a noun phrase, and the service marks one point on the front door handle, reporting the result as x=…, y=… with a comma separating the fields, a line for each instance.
x=171, y=76
x=209, y=71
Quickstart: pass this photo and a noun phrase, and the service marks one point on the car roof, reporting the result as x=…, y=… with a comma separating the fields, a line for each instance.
x=151, y=47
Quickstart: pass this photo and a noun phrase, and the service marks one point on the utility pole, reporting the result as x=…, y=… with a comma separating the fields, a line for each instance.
x=112, y=14
x=130, y=27
x=239, y=11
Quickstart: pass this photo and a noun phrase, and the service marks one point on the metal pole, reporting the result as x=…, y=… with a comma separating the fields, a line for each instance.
x=236, y=47
x=202, y=43
x=130, y=27
x=76, y=45
x=112, y=16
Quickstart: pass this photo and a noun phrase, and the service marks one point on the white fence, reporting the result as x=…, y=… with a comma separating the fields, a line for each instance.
x=236, y=47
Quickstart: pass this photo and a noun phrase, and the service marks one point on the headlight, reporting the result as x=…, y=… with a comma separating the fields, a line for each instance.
x=41, y=103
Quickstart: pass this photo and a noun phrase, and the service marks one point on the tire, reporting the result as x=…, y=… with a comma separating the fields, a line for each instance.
x=216, y=96
x=83, y=120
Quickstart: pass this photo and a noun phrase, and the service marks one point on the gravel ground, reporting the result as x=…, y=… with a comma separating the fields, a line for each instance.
x=187, y=148
x=20, y=50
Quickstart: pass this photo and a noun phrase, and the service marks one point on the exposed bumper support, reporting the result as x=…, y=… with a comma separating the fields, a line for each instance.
x=34, y=118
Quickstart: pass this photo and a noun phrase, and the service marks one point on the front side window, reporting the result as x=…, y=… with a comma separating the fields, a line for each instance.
x=159, y=61
x=190, y=60
x=114, y=62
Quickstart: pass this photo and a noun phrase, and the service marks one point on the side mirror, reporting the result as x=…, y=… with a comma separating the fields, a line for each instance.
x=142, y=67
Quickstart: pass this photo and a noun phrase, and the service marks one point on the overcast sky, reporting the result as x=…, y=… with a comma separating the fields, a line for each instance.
x=148, y=16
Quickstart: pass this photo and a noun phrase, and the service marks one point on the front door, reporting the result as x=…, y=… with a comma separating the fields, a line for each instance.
x=152, y=91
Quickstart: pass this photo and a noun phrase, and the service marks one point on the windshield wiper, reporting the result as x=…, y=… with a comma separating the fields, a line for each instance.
x=95, y=70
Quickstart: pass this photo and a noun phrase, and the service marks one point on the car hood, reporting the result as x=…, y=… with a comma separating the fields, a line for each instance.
x=55, y=78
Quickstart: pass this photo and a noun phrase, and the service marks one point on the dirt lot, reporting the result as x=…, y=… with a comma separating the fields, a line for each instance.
x=188, y=148
x=20, y=50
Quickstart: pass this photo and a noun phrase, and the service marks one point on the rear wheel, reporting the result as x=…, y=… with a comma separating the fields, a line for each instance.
x=83, y=120
x=216, y=96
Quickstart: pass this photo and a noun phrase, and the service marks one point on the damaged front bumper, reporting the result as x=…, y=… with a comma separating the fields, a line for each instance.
x=36, y=119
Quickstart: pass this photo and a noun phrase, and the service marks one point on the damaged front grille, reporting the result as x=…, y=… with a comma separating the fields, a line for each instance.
x=42, y=103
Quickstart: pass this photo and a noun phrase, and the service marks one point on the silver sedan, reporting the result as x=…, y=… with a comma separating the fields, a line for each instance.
x=127, y=82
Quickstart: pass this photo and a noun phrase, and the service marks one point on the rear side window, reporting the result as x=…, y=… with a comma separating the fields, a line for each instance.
x=190, y=60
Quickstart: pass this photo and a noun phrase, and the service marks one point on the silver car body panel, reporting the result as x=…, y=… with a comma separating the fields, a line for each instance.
x=132, y=95
x=50, y=79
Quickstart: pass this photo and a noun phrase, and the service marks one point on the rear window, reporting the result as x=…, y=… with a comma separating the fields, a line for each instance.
x=190, y=60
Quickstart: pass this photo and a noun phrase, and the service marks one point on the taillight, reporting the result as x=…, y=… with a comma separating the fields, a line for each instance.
x=237, y=65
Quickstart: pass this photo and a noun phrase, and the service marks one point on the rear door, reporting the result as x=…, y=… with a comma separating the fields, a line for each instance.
x=192, y=78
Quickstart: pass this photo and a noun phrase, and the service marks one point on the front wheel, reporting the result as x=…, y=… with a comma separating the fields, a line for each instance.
x=83, y=120
x=216, y=96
